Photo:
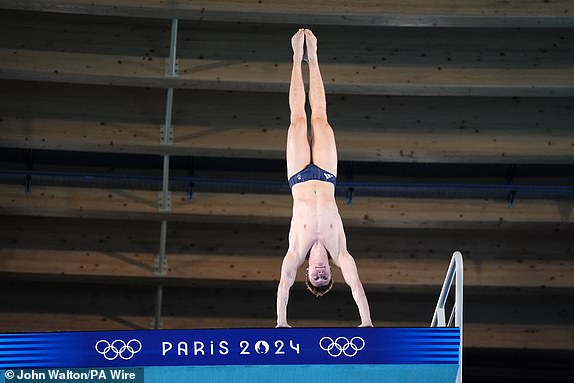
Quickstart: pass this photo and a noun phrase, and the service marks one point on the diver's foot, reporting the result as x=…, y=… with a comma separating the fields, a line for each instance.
x=297, y=42
x=311, y=44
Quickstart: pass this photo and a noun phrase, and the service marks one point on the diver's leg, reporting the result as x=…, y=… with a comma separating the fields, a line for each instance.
x=323, y=144
x=298, y=149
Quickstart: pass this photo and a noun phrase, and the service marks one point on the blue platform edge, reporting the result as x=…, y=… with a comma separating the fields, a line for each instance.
x=390, y=373
x=342, y=354
x=387, y=373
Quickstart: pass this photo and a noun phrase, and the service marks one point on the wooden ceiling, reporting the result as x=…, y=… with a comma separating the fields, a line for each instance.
x=454, y=127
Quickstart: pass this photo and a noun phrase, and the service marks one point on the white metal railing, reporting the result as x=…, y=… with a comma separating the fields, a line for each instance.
x=455, y=270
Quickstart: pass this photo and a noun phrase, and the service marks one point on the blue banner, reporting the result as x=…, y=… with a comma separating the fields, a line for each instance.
x=233, y=347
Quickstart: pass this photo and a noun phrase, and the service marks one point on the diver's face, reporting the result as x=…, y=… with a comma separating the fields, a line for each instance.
x=319, y=273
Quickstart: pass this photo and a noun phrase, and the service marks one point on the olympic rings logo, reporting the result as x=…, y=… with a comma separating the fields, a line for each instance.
x=342, y=345
x=118, y=347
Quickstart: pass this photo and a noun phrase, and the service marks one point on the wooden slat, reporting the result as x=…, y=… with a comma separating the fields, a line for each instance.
x=521, y=337
x=241, y=57
x=29, y=322
x=117, y=249
x=402, y=129
x=148, y=40
x=255, y=142
x=364, y=212
x=367, y=12
x=248, y=240
x=268, y=77
x=112, y=265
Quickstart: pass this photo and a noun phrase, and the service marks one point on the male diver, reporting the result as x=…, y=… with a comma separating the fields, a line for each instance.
x=316, y=232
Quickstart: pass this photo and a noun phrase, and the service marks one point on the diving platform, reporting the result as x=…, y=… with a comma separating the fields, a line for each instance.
x=428, y=354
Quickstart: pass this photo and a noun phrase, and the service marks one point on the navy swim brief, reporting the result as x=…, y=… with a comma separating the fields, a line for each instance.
x=312, y=172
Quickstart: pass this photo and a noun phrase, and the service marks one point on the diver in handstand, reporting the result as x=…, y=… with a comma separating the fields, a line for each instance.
x=316, y=232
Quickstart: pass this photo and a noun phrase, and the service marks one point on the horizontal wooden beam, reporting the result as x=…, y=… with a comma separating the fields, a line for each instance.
x=183, y=268
x=411, y=13
x=363, y=212
x=245, y=252
x=470, y=62
x=255, y=142
x=222, y=124
x=248, y=240
x=245, y=75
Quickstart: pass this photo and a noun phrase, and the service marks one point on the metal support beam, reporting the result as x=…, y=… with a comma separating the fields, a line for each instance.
x=166, y=138
x=160, y=262
x=166, y=131
x=160, y=268
x=157, y=324
x=165, y=194
x=173, y=46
